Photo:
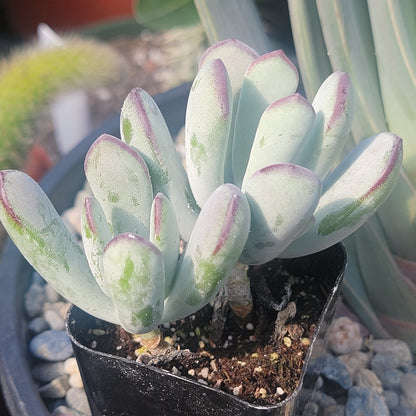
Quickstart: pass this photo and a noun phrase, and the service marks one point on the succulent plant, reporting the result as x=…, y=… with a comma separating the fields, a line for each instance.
x=259, y=183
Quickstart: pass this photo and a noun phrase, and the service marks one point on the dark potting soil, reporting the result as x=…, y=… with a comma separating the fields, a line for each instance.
x=259, y=359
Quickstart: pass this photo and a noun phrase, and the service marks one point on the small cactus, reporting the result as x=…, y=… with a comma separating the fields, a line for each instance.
x=262, y=181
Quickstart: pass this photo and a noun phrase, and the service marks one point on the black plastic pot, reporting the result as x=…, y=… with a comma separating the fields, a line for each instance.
x=118, y=386
x=61, y=184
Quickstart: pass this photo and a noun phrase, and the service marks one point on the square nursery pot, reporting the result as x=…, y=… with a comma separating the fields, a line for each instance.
x=119, y=386
x=61, y=184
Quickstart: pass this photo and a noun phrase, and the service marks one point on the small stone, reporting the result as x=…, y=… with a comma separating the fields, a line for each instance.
x=408, y=386
x=336, y=410
x=249, y=326
x=55, y=389
x=364, y=401
x=71, y=368
x=51, y=345
x=37, y=326
x=54, y=320
x=355, y=361
x=287, y=341
x=396, y=347
x=329, y=367
x=77, y=399
x=34, y=299
x=323, y=399
x=310, y=409
x=64, y=411
x=383, y=361
x=204, y=372
x=368, y=378
x=344, y=336
x=279, y=391
x=390, y=379
x=46, y=372
x=391, y=398
x=402, y=411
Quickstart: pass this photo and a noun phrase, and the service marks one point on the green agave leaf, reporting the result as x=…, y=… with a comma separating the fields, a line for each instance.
x=164, y=234
x=282, y=130
x=236, y=57
x=282, y=200
x=207, y=128
x=393, y=26
x=120, y=181
x=311, y=52
x=257, y=93
x=333, y=107
x=95, y=233
x=134, y=274
x=352, y=193
x=40, y=234
x=143, y=127
x=212, y=252
x=386, y=286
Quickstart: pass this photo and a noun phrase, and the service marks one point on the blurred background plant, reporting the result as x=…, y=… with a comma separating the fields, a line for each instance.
x=375, y=43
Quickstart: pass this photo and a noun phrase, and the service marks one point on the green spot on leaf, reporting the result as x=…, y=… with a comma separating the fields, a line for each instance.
x=198, y=153
x=127, y=130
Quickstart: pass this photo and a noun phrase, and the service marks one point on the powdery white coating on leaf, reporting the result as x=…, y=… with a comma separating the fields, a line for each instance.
x=282, y=200
x=281, y=132
x=164, y=234
x=257, y=93
x=144, y=128
x=352, y=193
x=134, y=274
x=40, y=234
x=212, y=252
x=207, y=128
x=120, y=181
x=333, y=105
x=95, y=234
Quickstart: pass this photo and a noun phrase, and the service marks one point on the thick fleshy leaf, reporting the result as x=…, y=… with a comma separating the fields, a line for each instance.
x=333, y=107
x=134, y=275
x=207, y=129
x=143, y=127
x=164, y=234
x=393, y=25
x=257, y=93
x=236, y=57
x=120, y=182
x=213, y=250
x=386, y=286
x=95, y=233
x=282, y=200
x=281, y=131
x=352, y=193
x=40, y=234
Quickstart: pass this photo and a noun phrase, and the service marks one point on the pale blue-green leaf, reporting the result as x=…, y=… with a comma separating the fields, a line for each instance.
x=398, y=218
x=207, y=129
x=164, y=234
x=281, y=132
x=352, y=192
x=269, y=78
x=40, y=234
x=310, y=47
x=144, y=128
x=282, y=200
x=386, y=286
x=355, y=295
x=236, y=57
x=95, y=233
x=216, y=243
x=347, y=33
x=393, y=25
x=134, y=274
x=333, y=108
x=120, y=182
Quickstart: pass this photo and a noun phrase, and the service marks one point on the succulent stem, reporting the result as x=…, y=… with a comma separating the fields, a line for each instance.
x=239, y=292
